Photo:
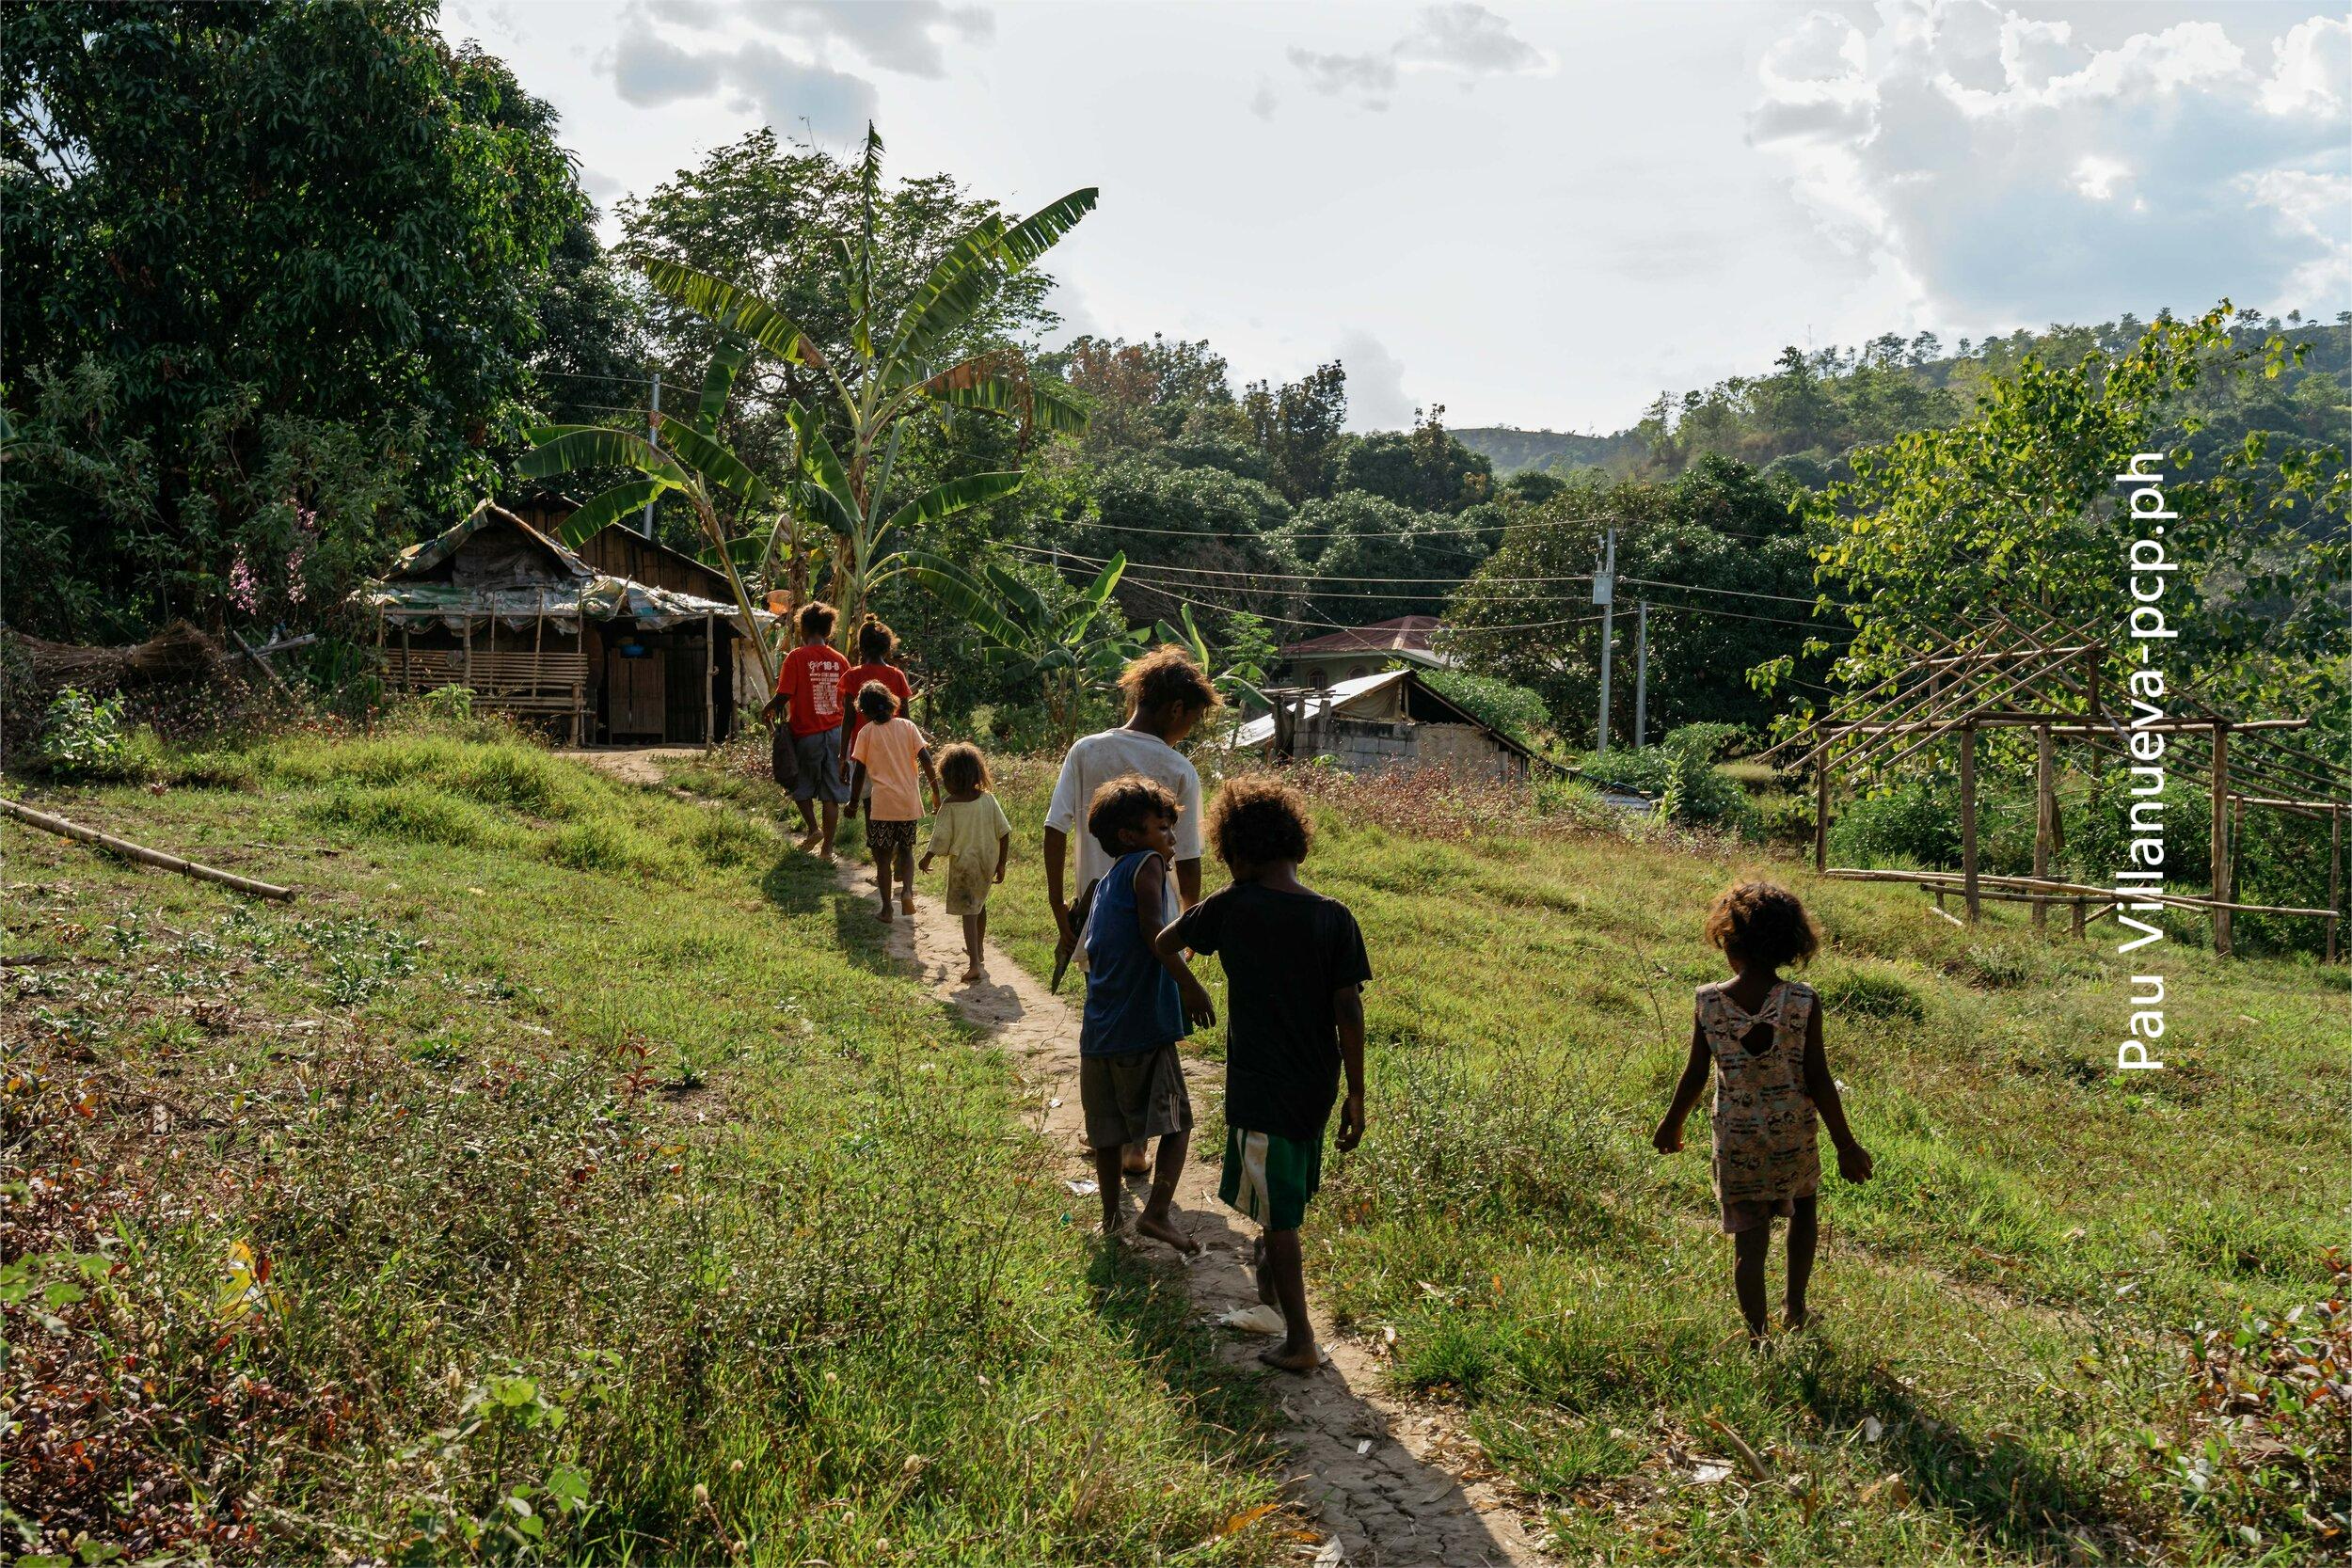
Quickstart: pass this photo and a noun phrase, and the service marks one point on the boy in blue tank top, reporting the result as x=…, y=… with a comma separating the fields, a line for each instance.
x=1138, y=1005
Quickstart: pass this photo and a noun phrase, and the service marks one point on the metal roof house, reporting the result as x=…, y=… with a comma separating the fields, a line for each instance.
x=1355, y=650
x=532, y=628
x=1390, y=720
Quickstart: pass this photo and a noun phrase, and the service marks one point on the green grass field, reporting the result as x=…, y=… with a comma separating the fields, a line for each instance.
x=567, y=1176
x=2003, y=1373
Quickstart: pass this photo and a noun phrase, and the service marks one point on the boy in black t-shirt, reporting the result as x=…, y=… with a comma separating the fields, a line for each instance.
x=1295, y=1015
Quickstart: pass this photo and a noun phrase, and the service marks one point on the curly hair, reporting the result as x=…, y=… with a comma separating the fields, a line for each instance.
x=877, y=702
x=1165, y=678
x=1127, y=802
x=876, y=643
x=1258, y=821
x=963, y=768
x=1761, y=923
x=817, y=618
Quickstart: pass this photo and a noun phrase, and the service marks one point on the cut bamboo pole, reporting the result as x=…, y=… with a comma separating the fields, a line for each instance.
x=2222, y=838
x=1968, y=818
x=2045, y=813
x=140, y=852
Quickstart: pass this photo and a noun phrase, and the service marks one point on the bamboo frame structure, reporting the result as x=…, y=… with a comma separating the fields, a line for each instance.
x=2022, y=671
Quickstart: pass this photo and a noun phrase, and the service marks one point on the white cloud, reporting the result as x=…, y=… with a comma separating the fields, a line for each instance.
x=907, y=36
x=1263, y=103
x=1996, y=172
x=1375, y=384
x=650, y=70
x=1461, y=38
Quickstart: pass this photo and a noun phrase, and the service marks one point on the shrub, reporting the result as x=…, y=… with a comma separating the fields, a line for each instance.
x=1679, y=776
x=90, y=738
x=1916, y=822
x=1514, y=710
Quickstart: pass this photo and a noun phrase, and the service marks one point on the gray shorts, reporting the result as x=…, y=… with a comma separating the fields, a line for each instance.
x=1134, y=1096
x=819, y=757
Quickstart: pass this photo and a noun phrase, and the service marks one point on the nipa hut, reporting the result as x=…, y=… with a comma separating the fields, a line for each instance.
x=565, y=639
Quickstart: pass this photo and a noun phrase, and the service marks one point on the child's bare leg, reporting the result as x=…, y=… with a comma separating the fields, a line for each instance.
x=1155, y=1221
x=975, y=922
x=1257, y=1266
x=881, y=880
x=1803, y=1235
x=832, y=826
x=1298, y=1351
x=1747, y=1276
x=808, y=822
x=1107, y=1178
x=906, y=879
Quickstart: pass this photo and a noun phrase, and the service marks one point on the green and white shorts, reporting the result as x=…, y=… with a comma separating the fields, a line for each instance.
x=1269, y=1177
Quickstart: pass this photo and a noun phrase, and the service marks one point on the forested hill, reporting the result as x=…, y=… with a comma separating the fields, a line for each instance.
x=1514, y=451
x=1812, y=407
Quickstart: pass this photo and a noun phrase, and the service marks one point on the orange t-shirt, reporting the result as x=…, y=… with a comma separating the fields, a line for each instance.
x=892, y=752
x=811, y=677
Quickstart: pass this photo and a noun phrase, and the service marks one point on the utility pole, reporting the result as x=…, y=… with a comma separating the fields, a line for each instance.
x=1605, y=595
x=1640, y=674
x=653, y=435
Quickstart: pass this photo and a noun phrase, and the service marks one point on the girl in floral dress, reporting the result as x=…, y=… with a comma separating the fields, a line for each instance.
x=1761, y=1036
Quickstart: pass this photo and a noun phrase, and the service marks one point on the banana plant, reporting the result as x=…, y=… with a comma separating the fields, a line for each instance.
x=1065, y=648
x=894, y=366
x=682, y=455
x=1237, y=682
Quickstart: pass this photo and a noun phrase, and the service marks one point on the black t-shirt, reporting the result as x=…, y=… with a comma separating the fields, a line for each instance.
x=1284, y=954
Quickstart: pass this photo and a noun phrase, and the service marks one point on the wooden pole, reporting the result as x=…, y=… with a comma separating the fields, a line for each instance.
x=140, y=852
x=2045, y=815
x=1820, y=813
x=711, y=676
x=2220, y=845
x=2335, y=872
x=1968, y=818
x=468, y=636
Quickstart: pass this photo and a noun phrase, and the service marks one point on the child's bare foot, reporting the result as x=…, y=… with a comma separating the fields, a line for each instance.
x=907, y=903
x=972, y=974
x=1161, y=1228
x=1288, y=1357
x=1137, y=1161
x=882, y=914
x=1796, y=1318
x=806, y=844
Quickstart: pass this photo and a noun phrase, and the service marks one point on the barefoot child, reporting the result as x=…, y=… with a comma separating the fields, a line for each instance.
x=809, y=699
x=1762, y=1035
x=1294, y=967
x=887, y=755
x=1138, y=1001
x=972, y=831
x=875, y=644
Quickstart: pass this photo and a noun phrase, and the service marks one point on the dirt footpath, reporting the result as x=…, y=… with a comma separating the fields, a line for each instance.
x=1387, y=1480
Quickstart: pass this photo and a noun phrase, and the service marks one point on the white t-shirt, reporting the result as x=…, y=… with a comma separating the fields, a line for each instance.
x=1097, y=759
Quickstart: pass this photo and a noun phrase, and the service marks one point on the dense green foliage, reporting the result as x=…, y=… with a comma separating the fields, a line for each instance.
x=275, y=274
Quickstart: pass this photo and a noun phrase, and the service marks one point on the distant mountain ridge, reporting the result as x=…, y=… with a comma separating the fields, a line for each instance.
x=1512, y=450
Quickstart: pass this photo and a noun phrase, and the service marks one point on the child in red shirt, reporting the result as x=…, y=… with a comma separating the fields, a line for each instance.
x=807, y=754
x=875, y=644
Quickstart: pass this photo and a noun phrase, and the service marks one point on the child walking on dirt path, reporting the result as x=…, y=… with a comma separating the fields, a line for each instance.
x=973, y=832
x=889, y=753
x=1138, y=1002
x=1295, y=968
x=807, y=756
x=875, y=644
x=1762, y=1036
x=1167, y=696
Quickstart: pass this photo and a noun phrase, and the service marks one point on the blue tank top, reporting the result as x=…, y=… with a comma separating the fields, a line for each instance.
x=1132, y=1000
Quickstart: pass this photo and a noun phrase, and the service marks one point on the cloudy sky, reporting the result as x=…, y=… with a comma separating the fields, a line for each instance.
x=1536, y=214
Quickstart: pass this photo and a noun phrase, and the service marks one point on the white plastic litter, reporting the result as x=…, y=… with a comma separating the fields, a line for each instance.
x=1257, y=1318
x=1084, y=1189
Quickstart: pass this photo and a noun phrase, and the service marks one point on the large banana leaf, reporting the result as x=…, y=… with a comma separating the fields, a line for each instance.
x=733, y=310
x=719, y=381
x=945, y=501
x=623, y=498
x=992, y=386
x=973, y=601
x=1038, y=233
x=716, y=464
x=746, y=551
x=565, y=447
x=827, y=488
x=958, y=283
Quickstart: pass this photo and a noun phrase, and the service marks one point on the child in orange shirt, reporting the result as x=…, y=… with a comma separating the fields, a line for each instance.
x=884, y=762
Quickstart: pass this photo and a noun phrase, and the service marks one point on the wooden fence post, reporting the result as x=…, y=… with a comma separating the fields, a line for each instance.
x=2220, y=845
x=2335, y=872
x=1821, y=811
x=2045, y=816
x=1968, y=818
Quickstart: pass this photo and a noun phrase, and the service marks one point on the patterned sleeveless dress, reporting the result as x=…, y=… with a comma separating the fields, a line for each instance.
x=1764, y=1152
